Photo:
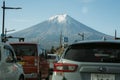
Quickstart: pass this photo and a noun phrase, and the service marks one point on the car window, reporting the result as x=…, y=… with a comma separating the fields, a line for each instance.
x=94, y=53
x=8, y=55
x=51, y=57
x=25, y=50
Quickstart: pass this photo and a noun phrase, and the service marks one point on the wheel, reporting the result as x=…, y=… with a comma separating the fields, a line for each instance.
x=47, y=77
x=21, y=77
x=39, y=76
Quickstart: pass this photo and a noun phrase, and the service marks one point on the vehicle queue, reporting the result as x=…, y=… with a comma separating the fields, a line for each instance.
x=24, y=61
x=85, y=60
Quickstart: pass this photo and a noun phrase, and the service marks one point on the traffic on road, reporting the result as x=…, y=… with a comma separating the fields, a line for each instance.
x=60, y=48
x=84, y=60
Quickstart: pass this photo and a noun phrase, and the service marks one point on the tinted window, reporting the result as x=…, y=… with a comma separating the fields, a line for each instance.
x=94, y=52
x=24, y=49
x=51, y=57
x=9, y=55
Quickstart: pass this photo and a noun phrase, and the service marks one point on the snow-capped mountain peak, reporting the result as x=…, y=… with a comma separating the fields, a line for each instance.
x=59, y=18
x=48, y=32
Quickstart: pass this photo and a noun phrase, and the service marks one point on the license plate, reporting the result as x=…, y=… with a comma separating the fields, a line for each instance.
x=102, y=77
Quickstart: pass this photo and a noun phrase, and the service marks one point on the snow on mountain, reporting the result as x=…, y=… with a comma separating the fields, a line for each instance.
x=48, y=32
x=59, y=18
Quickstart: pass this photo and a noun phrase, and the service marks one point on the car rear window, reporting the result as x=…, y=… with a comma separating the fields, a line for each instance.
x=94, y=52
x=24, y=49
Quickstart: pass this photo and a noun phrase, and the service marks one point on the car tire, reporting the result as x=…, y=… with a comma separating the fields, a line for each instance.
x=21, y=77
x=47, y=78
x=39, y=76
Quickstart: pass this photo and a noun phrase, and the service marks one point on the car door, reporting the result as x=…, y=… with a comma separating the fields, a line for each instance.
x=2, y=77
x=9, y=65
x=1, y=70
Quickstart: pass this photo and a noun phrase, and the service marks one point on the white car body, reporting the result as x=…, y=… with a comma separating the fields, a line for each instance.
x=9, y=68
x=103, y=63
x=52, y=58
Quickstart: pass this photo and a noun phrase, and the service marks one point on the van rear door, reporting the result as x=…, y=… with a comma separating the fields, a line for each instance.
x=27, y=54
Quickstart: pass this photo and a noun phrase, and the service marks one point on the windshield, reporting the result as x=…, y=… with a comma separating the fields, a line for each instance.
x=103, y=52
x=24, y=49
x=51, y=57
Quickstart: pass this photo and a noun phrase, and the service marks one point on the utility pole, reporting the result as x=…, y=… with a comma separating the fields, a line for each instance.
x=61, y=39
x=116, y=38
x=3, y=23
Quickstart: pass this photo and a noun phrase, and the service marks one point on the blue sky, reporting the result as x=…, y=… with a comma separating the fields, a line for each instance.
x=101, y=15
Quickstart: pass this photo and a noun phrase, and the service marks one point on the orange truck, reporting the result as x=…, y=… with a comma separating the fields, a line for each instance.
x=33, y=59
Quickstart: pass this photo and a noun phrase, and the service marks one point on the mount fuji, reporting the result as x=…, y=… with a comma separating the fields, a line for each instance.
x=48, y=32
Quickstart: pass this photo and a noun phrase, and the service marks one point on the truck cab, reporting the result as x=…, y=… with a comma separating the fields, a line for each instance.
x=33, y=59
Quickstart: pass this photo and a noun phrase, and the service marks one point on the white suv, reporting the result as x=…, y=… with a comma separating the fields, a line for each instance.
x=9, y=68
x=89, y=60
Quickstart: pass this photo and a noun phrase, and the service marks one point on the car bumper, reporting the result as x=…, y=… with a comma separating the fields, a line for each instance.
x=32, y=75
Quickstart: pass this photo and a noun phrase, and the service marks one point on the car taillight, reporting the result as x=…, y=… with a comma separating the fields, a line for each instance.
x=65, y=67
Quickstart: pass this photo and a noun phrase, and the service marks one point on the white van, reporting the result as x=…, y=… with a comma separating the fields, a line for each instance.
x=9, y=68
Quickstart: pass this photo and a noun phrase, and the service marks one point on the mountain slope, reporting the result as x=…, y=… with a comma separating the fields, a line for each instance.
x=48, y=32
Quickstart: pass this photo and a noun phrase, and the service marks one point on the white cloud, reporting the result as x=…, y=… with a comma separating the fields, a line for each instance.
x=85, y=8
